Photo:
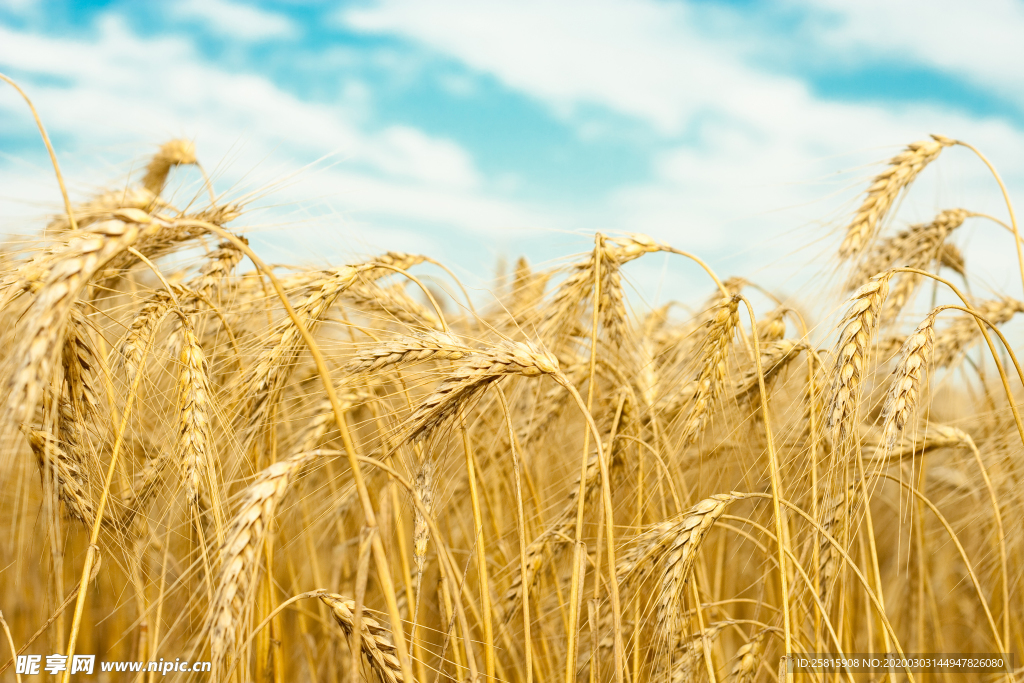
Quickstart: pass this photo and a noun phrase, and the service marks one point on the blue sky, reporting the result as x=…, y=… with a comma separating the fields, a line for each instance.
x=472, y=130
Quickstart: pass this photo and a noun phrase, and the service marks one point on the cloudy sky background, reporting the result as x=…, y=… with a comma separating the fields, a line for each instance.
x=475, y=130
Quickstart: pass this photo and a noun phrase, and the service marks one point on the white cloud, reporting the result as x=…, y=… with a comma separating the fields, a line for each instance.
x=18, y=6
x=120, y=89
x=639, y=58
x=745, y=160
x=236, y=20
x=739, y=143
x=978, y=41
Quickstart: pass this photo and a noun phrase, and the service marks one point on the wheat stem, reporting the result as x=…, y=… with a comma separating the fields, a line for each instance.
x=1009, y=204
x=49, y=149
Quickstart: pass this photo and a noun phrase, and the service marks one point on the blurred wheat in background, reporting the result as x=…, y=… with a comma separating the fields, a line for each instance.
x=339, y=473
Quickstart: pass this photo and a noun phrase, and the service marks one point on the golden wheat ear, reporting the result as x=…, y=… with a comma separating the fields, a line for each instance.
x=885, y=188
x=855, y=338
x=243, y=542
x=172, y=153
x=905, y=392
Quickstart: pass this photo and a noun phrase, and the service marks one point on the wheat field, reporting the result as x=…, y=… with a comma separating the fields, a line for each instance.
x=348, y=473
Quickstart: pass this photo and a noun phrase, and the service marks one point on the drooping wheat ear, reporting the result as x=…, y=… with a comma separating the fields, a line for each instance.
x=265, y=378
x=836, y=511
x=905, y=390
x=951, y=257
x=195, y=442
x=144, y=486
x=393, y=301
x=395, y=259
x=670, y=547
x=687, y=657
x=713, y=354
x=70, y=475
x=175, y=233
x=249, y=289
x=377, y=645
x=571, y=296
x=919, y=247
x=747, y=658
x=72, y=434
x=773, y=327
x=173, y=153
x=859, y=326
x=527, y=289
x=775, y=357
x=916, y=247
x=403, y=350
x=322, y=417
x=424, y=488
x=475, y=373
x=44, y=323
x=31, y=275
x=142, y=330
x=103, y=206
x=199, y=291
x=953, y=342
x=80, y=365
x=243, y=544
x=79, y=402
x=927, y=437
x=218, y=265
x=885, y=188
